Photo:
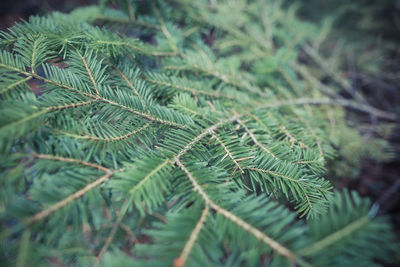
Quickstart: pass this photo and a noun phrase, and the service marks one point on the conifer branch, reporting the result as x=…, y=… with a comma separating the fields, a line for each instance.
x=148, y=176
x=127, y=21
x=131, y=236
x=228, y=153
x=253, y=137
x=72, y=160
x=308, y=161
x=73, y=105
x=15, y=84
x=188, y=110
x=227, y=78
x=325, y=67
x=107, y=140
x=23, y=120
x=317, y=139
x=276, y=174
x=41, y=78
x=163, y=27
x=130, y=10
x=327, y=101
x=289, y=80
x=114, y=229
x=45, y=213
x=121, y=43
x=141, y=114
x=204, y=133
x=128, y=82
x=89, y=73
x=182, y=152
x=235, y=117
x=221, y=76
x=181, y=260
x=335, y=236
x=291, y=137
x=95, y=97
x=137, y=48
x=5, y=66
x=40, y=113
x=279, y=248
x=260, y=122
x=23, y=248
x=193, y=91
x=34, y=51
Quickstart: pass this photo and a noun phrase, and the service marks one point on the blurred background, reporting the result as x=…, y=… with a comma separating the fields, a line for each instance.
x=15, y=10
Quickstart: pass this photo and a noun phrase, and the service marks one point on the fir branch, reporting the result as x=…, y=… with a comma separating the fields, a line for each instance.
x=141, y=114
x=181, y=260
x=114, y=229
x=47, y=212
x=291, y=137
x=148, y=176
x=204, y=133
x=39, y=113
x=260, y=122
x=328, y=101
x=108, y=140
x=224, y=77
x=252, y=136
x=121, y=43
x=342, y=82
x=15, y=84
x=128, y=82
x=238, y=221
x=286, y=177
x=163, y=27
x=105, y=100
x=72, y=160
x=193, y=91
x=14, y=124
x=89, y=73
x=23, y=248
x=130, y=9
x=127, y=21
x=308, y=161
x=41, y=78
x=131, y=236
x=228, y=153
x=317, y=139
x=335, y=236
x=12, y=68
x=73, y=105
x=34, y=51
x=137, y=48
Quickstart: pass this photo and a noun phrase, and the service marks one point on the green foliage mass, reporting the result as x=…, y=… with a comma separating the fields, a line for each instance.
x=193, y=133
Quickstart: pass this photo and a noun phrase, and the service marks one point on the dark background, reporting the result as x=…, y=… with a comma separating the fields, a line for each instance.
x=15, y=10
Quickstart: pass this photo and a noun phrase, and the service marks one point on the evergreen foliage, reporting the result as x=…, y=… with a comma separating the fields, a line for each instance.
x=193, y=133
